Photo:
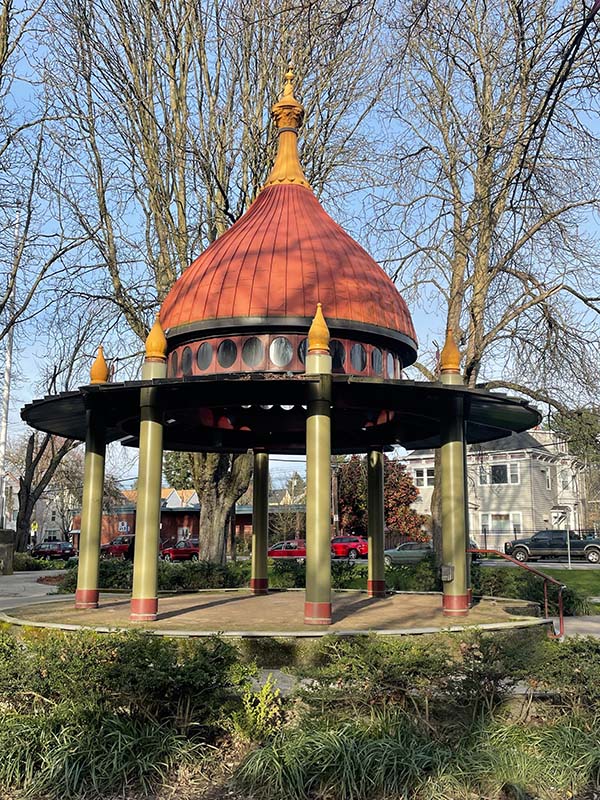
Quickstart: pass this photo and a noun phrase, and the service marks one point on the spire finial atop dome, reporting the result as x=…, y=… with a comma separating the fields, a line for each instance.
x=156, y=343
x=288, y=114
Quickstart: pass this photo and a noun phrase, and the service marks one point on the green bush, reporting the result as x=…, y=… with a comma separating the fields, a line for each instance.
x=421, y=577
x=189, y=576
x=505, y=582
x=287, y=574
x=24, y=562
x=571, y=670
x=261, y=714
x=150, y=677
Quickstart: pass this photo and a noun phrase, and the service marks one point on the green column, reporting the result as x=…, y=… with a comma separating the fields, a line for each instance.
x=376, y=522
x=259, y=581
x=454, y=506
x=86, y=595
x=317, y=606
x=144, y=600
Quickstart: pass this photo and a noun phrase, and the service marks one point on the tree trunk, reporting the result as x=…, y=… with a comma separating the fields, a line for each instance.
x=213, y=521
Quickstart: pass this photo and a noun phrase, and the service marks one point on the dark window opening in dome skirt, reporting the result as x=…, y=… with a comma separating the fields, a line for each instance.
x=204, y=356
x=253, y=352
x=377, y=361
x=280, y=351
x=186, y=361
x=226, y=353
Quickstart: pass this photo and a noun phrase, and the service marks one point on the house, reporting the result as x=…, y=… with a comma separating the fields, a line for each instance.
x=517, y=485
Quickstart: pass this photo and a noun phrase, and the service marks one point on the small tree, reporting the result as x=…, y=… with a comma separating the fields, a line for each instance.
x=399, y=493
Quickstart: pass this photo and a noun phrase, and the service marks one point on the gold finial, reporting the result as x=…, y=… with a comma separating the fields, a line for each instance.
x=99, y=369
x=450, y=356
x=318, y=334
x=288, y=114
x=156, y=343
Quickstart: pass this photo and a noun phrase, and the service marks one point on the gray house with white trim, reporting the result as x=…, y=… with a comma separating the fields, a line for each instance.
x=517, y=485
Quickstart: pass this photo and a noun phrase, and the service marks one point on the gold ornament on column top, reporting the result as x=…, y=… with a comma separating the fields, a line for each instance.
x=288, y=114
x=318, y=334
x=156, y=343
x=99, y=370
x=450, y=356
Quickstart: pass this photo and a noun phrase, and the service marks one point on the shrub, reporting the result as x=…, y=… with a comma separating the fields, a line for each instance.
x=505, y=582
x=24, y=562
x=147, y=676
x=261, y=714
x=571, y=670
x=188, y=576
x=287, y=574
x=421, y=577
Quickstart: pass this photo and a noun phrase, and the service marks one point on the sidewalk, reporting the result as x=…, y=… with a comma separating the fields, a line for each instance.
x=23, y=586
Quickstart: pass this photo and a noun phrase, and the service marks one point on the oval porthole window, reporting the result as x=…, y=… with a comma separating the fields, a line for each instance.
x=253, y=351
x=204, y=356
x=302, y=348
x=226, y=353
x=377, y=361
x=338, y=355
x=186, y=361
x=280, y=351
x=174, y=364
x=358, y=357
x=390, y=366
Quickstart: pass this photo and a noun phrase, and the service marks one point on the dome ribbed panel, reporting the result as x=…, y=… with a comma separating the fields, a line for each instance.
x=280, y=259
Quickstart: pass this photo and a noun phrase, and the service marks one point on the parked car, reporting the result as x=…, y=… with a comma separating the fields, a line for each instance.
x=407, y=553
x=187, y=550
x=553, y=544
x=54, y=550
x=117, y=548
x=292, y=548
x=349, y=547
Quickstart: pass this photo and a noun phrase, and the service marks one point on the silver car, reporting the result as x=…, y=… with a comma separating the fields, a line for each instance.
x=407, y=553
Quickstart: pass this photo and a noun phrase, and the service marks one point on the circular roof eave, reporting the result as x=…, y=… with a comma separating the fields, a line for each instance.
x=417, y=410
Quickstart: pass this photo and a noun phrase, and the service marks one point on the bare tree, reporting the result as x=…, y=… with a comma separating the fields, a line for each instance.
x=166, y=140
x=497, y=176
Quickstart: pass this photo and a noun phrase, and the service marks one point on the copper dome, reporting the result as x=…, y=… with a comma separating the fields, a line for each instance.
x=267, y=273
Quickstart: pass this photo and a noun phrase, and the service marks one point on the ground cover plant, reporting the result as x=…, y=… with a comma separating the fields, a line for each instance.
x=93, y=715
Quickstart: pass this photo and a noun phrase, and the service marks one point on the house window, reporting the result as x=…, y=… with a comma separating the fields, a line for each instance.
x=425, y=477
x=53, y=515
x=499, y=474
x=508, y=522
x=565, y=482
x=548, y=479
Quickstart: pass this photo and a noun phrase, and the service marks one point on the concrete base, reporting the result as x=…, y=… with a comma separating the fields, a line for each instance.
x=317, y=613
x=144, y=609
x=86, y=598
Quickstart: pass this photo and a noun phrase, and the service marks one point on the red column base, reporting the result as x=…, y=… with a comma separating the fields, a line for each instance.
x=376, y=588
x=86, y=598
x=455, y=605
x=259, y=585
x=317, y=613
x=144, y=609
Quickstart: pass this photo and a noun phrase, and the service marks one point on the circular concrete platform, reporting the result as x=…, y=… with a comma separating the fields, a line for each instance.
x=278, y=614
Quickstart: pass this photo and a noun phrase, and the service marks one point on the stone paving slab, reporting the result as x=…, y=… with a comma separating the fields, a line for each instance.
x=278, y=614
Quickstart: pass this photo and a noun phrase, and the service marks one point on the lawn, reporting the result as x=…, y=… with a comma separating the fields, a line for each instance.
x=584, y=581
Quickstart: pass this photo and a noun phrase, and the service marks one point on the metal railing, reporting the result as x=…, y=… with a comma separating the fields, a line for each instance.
x=547, y=579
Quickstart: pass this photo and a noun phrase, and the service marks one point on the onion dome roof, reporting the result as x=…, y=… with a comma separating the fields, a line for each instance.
x=280, y=259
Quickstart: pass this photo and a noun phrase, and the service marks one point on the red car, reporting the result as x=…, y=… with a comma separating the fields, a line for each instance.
x=293, y=548
x=349, y=547
x=54, y=551
x=186, y=550
x=117, y=548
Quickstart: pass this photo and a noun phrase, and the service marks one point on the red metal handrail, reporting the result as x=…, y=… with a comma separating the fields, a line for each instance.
x=547, y=579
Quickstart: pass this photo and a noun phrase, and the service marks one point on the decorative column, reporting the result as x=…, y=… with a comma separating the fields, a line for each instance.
x=376, y=517
x=259, y=581
x=317, y=605
x=144, y=600
x=86, y=594
x=453, y=486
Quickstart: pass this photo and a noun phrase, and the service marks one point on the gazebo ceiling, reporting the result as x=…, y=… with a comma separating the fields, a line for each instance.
x=234, y=413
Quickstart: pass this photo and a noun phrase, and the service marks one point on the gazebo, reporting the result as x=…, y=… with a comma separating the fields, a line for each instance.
x=284, y=336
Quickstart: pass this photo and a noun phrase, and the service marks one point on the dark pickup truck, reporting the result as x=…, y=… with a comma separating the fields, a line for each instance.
x=553, y=544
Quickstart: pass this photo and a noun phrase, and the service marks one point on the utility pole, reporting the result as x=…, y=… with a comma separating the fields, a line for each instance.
x=7, y=377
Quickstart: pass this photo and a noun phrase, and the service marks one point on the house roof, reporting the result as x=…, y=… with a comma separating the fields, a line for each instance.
x=516, y=441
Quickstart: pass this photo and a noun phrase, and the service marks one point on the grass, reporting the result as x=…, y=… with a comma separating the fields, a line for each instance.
x=585, y=581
